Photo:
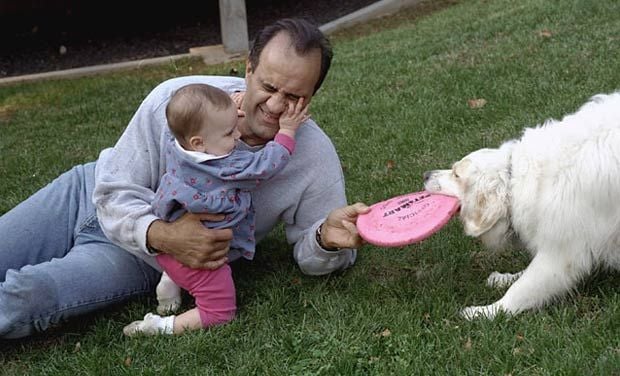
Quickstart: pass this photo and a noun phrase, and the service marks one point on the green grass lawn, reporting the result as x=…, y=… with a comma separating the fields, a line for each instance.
x=395, y=105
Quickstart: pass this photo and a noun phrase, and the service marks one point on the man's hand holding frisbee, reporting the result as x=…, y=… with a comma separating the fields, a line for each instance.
x=339, y=229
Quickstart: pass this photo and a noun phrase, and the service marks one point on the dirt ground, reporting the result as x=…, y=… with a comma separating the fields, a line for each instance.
x=113, y=31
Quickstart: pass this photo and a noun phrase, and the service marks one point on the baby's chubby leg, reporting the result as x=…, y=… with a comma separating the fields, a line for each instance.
x=213, y=290
x=189, y=320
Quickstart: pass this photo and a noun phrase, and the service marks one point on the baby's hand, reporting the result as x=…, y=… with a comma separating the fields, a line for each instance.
x=293, y=116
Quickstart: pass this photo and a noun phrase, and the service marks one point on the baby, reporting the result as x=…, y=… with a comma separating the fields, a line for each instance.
x=206, y=174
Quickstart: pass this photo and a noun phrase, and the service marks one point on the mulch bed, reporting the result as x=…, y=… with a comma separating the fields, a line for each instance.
x=114, y=31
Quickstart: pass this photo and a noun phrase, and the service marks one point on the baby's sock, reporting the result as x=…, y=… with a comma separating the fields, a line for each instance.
x=151, y=325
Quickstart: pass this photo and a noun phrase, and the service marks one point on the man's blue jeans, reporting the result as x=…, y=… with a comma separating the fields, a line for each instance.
x=55, y=261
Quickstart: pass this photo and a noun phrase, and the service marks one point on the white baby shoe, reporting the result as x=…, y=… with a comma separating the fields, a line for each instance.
x=151, y=325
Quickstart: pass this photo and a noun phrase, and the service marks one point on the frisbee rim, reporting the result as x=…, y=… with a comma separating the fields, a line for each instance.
x=448, y=208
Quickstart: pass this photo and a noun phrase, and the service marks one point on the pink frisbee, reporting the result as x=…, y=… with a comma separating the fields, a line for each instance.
x=406, y=219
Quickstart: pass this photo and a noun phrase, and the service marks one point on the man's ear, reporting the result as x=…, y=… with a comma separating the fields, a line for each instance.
x=196, y=143
x=248, y=68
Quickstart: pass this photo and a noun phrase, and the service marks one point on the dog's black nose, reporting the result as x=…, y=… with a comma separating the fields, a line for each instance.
x=427, y=175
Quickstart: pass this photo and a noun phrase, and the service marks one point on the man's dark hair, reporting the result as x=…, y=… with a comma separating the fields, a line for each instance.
x=305, y=37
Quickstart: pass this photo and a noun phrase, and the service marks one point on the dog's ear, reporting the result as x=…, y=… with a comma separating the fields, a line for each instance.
x=485, y=203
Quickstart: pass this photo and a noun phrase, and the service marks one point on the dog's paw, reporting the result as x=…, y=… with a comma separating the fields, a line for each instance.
x=168, y=306
x=502, y=280
x=485, y=312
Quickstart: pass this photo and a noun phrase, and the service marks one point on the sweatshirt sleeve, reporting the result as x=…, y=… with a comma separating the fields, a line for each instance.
x=314, y=260
x=127, y=176
x=324, y=193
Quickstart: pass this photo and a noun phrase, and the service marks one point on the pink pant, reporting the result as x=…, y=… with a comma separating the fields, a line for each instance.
x=214, y=290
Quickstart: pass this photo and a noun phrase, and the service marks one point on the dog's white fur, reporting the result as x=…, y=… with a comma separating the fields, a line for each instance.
x=556, y=190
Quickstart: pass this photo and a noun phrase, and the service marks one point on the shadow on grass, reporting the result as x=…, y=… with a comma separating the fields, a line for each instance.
x=273, y=262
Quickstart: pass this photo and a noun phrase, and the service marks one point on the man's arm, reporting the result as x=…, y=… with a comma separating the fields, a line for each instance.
x=190, y=242
x=331, y=244
x=127, y=176
x=322, y=203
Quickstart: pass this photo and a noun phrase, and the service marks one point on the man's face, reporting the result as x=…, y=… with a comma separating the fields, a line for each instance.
x=281, y=78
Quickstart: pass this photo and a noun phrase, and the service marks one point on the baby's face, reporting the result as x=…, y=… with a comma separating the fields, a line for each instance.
x=220, y=131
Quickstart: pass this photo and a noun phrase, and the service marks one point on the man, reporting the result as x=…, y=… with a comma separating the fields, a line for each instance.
x=95, y=245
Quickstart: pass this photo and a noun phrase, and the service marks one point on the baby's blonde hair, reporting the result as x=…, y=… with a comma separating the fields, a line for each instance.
x=189, y=106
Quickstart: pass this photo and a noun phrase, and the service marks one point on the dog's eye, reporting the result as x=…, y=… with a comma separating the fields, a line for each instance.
x=455, y=174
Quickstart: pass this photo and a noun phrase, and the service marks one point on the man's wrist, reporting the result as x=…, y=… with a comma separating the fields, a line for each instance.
x=151, y=249
x=319, y=240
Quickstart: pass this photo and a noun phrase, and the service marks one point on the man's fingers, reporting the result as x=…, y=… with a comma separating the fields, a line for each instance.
x=356, y=240
x=361, y=208
x=222, y=249
x=218, y=235
x=350, y=227
x=352, y=211
x=215, y=264
x=212, y=260
x=210, y=217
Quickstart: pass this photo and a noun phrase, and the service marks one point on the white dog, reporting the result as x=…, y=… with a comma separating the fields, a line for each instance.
x=556, y=190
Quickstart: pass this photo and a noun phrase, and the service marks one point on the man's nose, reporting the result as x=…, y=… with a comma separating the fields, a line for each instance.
x=276, y=104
